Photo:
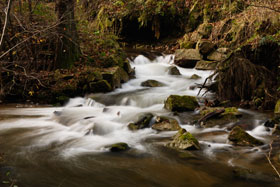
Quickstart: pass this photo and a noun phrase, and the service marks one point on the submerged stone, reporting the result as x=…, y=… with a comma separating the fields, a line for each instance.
x=187, y=58
x=118, y=147
x=238, y=136
x=184, y=140
x=143, y=122
x=166, y=124
x=195, y=76
x=152, y=83
x=176, y=103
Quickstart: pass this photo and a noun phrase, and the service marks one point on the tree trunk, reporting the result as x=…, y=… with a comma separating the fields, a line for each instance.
x=67, y=49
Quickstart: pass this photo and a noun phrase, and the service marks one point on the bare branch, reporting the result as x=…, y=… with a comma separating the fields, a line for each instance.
x=7, y=12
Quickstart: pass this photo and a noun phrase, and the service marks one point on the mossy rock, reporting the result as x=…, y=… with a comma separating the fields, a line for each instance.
x=152, y=83
x=176, y=103
x=115, y=76
x=166, y=124
x=184, y=140
x=100, y=86
x=195, y=77
x=277, y=108
x=204, y=30
x=231, y=114
x=187, y=58
x=119, y=147
x=143, y=122
x=173, y=70
x=238, y=136
x=206, y=65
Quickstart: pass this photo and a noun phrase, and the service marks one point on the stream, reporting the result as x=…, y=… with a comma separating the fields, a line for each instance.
x=67, y=146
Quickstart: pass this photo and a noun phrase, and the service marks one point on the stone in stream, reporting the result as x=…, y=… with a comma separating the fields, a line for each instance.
x=195, y=77
x=187, y=58
x=100, y=86
x=238, y=136
x=176, y=103
x=173, y=70
x=118, y=147
x=228, y=115
x=152, y=83
x=143, y=122
x=206, y=65
x=115, y=76
x=184, y=140
x=166, y=124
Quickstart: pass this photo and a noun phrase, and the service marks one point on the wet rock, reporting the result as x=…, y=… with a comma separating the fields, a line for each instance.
x=115, y=76
x=195, y=77
x=269, y=123
x=206, y=65
x=184, y=140
x=165, y=124
x=277, y=108
x=176, y=103
x=238, y=136
x=216, y=56
x=118, y=147
x=100, y=86
x=143, y=122
x=187, y=58
x=173, y=70
x=152, y=83
x=205, y=47
x=228, y=115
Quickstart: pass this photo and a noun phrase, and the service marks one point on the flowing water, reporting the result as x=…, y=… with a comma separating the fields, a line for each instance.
x=67, y=146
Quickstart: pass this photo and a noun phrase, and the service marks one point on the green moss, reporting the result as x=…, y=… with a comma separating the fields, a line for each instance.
x=277, y=107
x=178, y=103
x=118, y=147
x=239, y=137
x=189, y=137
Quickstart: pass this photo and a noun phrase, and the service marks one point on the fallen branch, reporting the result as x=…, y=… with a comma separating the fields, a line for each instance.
x=269, y=160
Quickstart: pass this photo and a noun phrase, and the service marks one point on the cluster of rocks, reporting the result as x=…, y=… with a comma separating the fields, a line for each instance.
x=205, y=56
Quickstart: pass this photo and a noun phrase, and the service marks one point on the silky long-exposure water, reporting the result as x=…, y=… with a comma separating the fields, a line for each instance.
x=67, y=146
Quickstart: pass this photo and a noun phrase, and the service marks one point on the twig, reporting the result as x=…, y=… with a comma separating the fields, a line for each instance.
x=263, y=6
x=36, y=33
x=269, y=161
x=7, y=12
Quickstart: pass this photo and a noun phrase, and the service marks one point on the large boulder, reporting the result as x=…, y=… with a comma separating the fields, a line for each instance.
x=206, y=65
x=143, y=122
x=176, y=103
x=173, y=70
x=152, y=83
x=184, y=140
x=205, y=47
x=165, y=124
x=115, y=76
x=187, y=58
x=100, y=86
x=217, y=56
x=238, y=136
